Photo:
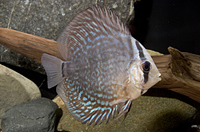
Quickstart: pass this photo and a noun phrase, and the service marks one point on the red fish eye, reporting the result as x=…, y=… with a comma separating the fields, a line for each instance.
x=146, y=66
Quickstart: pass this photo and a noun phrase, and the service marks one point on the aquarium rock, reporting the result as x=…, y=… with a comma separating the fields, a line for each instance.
x=34, y=116
x=15, y=89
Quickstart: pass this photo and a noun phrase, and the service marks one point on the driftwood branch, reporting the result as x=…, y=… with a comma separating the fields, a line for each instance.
x=180, y=71
x=28, y=45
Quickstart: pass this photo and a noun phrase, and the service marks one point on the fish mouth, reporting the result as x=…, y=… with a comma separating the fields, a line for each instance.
x=141, y=86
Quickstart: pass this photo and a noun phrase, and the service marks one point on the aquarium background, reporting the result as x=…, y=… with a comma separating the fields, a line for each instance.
x=163, y=23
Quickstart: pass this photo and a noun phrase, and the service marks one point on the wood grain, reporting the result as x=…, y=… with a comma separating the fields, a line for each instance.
x=28, y=45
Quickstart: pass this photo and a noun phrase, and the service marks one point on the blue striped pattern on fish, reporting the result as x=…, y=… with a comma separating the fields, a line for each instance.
x=104, y=67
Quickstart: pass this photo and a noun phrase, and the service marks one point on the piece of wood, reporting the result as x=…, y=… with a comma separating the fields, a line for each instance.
x=180, y=71
x=28, y=45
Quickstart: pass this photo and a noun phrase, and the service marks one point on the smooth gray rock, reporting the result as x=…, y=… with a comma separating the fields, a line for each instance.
x=34, y=116
x=15, y=89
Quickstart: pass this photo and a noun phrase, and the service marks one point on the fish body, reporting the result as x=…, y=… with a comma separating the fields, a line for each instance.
x=104, y=67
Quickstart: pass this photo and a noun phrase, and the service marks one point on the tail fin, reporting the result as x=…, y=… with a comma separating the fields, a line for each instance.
x=53, y=68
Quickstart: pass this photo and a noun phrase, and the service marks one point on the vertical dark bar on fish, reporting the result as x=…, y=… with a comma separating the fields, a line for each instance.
x=146, y=77
x=142, y=57
x=141, y=54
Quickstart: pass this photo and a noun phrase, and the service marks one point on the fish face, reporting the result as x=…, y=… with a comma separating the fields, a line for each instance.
x=143, y=72
x=144, y=75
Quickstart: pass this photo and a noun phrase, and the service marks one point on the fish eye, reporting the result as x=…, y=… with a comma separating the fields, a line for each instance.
x=146, y=66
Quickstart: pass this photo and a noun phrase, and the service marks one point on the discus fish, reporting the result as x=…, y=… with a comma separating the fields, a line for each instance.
x=105, y=68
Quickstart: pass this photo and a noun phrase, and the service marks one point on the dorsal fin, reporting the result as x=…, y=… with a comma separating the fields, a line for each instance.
x=87, y=23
